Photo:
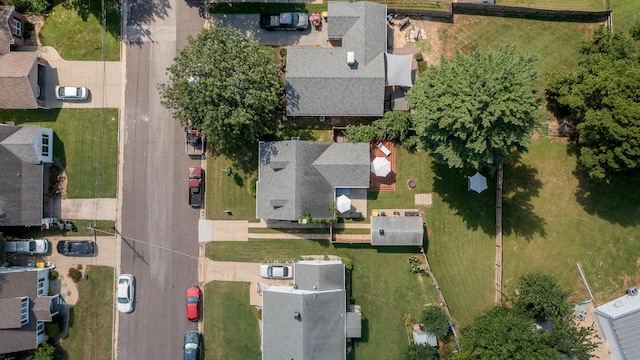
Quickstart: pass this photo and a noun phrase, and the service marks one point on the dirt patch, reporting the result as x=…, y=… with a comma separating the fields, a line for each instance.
x=429, y=41
x=37, y=20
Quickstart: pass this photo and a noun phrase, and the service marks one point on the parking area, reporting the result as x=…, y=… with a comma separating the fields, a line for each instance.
x=249, y=25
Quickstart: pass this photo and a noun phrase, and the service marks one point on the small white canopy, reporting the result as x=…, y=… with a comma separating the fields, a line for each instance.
x=381, y=166
x=343, y=204
x=398, y=69
x=477, y=183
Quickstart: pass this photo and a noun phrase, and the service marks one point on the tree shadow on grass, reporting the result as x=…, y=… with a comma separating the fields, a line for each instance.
x=147, y=10
x=617, y=201
x=478, y=211
x=520, y=185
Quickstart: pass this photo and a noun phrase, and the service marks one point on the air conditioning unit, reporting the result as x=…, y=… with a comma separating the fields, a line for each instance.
x=632, y=291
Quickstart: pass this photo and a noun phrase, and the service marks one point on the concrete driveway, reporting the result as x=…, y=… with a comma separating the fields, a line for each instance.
x=249, y=25
x=102, y=78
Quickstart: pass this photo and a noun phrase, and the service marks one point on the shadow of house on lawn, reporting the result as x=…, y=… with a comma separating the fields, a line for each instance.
x=479, y=210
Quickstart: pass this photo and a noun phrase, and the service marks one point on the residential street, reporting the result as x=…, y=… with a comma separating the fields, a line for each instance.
x=154, y=186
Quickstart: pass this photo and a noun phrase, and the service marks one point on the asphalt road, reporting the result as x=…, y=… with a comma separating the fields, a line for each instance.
x=154, y=192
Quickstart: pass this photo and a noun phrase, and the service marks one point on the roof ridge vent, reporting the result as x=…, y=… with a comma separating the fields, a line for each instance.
x=632, y=291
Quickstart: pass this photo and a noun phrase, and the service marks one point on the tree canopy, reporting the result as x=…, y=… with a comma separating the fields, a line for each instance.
x=421, y=352
x=604, y=93
x=475, y=110
x=435, y=321
x=540, y=297
x=511, y=332
x=226, y=85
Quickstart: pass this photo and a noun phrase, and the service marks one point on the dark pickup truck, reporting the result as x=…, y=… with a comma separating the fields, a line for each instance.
x=195, y=186
x=284, y=21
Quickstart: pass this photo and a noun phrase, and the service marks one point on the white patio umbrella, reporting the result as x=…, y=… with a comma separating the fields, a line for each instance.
x=343, y=203
x=381, y=166
x=477, y=183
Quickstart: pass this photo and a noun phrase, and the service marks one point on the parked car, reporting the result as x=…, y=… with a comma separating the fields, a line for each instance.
x=271, y=271
x=284, y=21
x=195, y=186
x=126, y=293
x=72, y=93
x=76, y=247
x=28, y=246
x=193, y=303
x=192, y=345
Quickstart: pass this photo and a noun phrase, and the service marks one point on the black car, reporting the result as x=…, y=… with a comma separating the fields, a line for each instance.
x=76, y=247
x=192, y=345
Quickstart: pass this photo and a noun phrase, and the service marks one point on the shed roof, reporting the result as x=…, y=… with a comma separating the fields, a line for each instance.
x=619, y=322
x=397, y=231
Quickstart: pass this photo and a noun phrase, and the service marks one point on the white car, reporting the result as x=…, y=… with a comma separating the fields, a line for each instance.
x=72, y=93
x=28, y=246
x=126, y=293
x=271, y=271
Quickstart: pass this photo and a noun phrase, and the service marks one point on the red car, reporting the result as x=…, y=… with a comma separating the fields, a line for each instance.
x=195, y=186
x=193, y=303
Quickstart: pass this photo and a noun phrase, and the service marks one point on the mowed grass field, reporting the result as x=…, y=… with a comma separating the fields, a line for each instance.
x=90, y=324
x=85, y=145
x=381, y=284
x=75, y=29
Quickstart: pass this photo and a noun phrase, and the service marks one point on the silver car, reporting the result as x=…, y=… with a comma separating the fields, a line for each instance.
x=72, y=93
x=273, y=271
x=27, y=246
x=126, y=293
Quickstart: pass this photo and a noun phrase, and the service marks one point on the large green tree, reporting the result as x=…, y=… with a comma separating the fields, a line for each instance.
x=227, y=86
x=604, y=92
x=420, y=352
x=435, y=321
x=540, y=297
x=475, y=110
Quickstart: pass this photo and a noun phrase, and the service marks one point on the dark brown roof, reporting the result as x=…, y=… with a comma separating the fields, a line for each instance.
x=10, y=313
x=15, y=68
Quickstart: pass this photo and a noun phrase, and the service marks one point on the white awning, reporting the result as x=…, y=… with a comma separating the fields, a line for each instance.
x=398, y=70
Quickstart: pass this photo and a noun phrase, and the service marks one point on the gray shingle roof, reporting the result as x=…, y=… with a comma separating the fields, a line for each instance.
x=320, y=82
x=19, y=284
x=320, y=330
x=21, y=177
x=319, y=275
x=397, y=230
x=296, y=183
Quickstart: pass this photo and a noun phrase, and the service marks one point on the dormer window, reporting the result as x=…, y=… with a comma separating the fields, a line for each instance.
x=45, y=145
x=17, y=28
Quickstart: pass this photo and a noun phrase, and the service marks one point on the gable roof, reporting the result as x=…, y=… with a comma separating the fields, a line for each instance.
x=296, y=176
x=21, y=177
x=619, y=322
x=15, y=68
x=319, y=332
x=319, y=275
x=6, y=37
x=320, y=82
x=397, y=231
x=18, y=284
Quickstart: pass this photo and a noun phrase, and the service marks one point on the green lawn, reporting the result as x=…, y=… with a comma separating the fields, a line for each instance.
x=230, y=322
x=595, y=225
x=385, y=292
x=85, y=144
x=74, y=28
x=91, y=319
x=625, y=14
x=556, y=43
x=585, y=5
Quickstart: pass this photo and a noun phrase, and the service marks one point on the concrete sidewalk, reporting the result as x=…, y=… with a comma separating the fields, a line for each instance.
x=88, y=209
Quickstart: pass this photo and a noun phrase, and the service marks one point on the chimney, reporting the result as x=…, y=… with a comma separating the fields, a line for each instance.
x=297, y=316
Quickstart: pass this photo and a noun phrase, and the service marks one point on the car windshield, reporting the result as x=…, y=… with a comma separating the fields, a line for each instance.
x=32, y=246
x=294, y=19
x=61, y=91
x=123, y=300
x=192, y=300
x=190, y=347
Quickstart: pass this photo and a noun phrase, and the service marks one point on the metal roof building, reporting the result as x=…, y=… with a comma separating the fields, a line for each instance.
x=619, y=322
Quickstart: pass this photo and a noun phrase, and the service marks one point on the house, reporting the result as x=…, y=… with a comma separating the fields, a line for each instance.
x=23, y=151
x=25, y=306
x=19, y=76
x=311, y=319
x=619, y=322
x=297, y=176
x=397, y=231
x=347, y=78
